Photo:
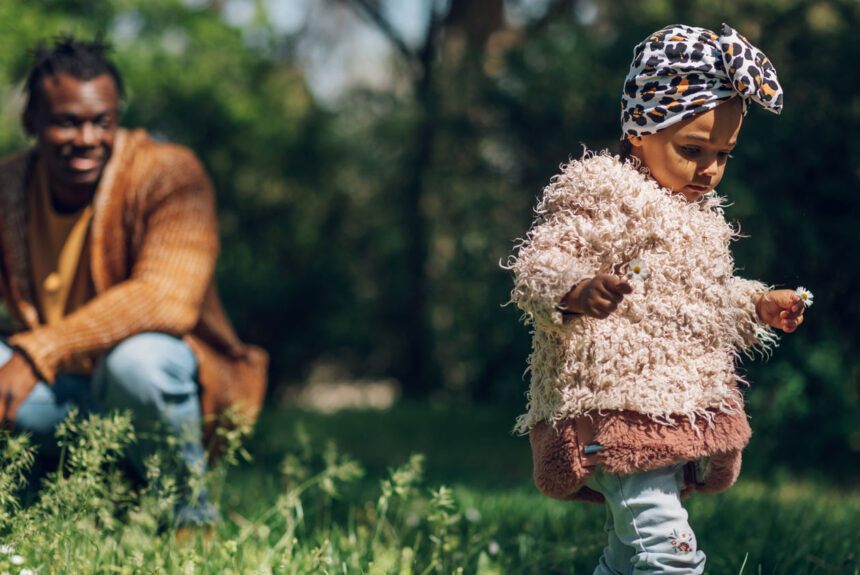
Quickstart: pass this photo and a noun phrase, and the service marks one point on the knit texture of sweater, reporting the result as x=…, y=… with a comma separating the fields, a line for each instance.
x=670, y=348
x=154, y=243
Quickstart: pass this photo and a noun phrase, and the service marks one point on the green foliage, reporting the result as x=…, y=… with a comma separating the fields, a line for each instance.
x=318, y=512
x=17, y=460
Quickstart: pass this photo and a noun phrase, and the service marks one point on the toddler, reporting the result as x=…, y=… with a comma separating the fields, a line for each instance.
x=627, y=279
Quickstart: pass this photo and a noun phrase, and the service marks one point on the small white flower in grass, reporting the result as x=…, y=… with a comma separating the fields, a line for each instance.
x=637, y=270
x=26, y=572
x=805, y=295
x=16, y=560
x=6, y=549
x=493, y=548
x=473, y=515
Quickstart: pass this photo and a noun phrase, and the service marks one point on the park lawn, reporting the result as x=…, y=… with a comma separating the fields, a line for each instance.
x=346, y=493
x=786, y=525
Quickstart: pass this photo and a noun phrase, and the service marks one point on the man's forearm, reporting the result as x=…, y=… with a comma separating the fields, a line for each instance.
x=129, y=308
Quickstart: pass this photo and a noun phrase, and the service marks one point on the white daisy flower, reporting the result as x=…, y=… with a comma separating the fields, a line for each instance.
x=493, y=548
x=473, y=515
x=6, y=549
x=26, y=572
x=637, y=270
x=805, y=295
x=16, y=560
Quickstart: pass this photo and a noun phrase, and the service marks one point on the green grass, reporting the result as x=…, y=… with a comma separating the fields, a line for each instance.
x=367, y=506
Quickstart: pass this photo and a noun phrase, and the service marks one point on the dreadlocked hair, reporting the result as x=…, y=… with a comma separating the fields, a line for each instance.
x=77, y=58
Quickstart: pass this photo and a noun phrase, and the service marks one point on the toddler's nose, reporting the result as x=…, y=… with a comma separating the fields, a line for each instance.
x=709, y=169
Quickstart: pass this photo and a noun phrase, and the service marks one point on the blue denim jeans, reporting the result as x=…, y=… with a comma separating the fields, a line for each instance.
x=153, y=375
x=646, y=524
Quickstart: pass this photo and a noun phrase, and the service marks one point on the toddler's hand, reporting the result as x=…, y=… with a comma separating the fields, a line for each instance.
x=781, y=309
x=597, y=297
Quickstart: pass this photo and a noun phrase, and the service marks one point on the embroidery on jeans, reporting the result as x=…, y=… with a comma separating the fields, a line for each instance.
x=681, y=542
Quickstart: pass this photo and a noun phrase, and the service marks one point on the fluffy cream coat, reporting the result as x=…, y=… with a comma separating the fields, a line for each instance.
x=669, y=350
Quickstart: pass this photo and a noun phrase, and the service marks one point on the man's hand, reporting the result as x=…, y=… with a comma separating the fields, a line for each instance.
x=597, y=297
x=781, y=309
x=17, y=380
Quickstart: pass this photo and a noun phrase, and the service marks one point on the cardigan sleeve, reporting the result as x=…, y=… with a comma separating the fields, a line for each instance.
x=168, y=280
x=756, y=335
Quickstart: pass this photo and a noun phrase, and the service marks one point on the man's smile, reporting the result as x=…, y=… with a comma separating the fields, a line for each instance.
x=85, y=163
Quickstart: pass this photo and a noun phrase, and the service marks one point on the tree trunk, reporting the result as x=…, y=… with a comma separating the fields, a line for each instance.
x=422, y=373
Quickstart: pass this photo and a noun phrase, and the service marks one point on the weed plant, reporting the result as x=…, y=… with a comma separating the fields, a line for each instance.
x=88, y=518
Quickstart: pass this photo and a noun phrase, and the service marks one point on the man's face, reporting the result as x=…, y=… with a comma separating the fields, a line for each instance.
x=76, y=122
x=690, y=157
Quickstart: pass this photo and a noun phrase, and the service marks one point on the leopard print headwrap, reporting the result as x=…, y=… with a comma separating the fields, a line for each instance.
x=681, y=71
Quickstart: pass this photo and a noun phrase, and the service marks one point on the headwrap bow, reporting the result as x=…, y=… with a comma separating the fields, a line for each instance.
x=681, y=71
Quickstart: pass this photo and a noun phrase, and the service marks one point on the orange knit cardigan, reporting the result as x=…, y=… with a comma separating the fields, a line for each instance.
x=154, y=242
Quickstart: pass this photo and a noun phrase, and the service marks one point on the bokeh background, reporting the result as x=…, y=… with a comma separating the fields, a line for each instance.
x=375, y=160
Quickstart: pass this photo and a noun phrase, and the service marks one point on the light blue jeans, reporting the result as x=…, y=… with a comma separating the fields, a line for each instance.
x=646, y=524
x=153, y=375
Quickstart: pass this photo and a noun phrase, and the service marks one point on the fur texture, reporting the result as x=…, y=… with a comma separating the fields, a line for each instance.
x=633, y=443
x=654, y=383
x=154, y=242
x=669, y=350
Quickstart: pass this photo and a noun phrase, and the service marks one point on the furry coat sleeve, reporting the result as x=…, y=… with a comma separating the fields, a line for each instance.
x=562, y=249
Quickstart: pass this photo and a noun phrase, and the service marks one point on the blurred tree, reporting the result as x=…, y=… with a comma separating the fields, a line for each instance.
x=473, y=23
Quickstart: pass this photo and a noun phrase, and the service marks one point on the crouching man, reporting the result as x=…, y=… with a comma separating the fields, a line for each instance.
x=108, y=242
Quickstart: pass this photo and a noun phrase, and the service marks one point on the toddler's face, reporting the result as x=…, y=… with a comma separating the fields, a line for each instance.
x=689, y=157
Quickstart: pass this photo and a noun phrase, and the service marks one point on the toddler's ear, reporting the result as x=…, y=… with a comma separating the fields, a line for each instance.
x=635, y=141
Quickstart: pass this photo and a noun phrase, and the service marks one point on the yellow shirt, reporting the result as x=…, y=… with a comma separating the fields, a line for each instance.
x=59, y=258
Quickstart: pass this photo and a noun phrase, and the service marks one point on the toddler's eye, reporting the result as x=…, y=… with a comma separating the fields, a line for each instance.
x=724, y=155
x=690, y=150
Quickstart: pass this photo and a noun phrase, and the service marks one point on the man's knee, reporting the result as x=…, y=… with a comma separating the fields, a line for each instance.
x=148, y=369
